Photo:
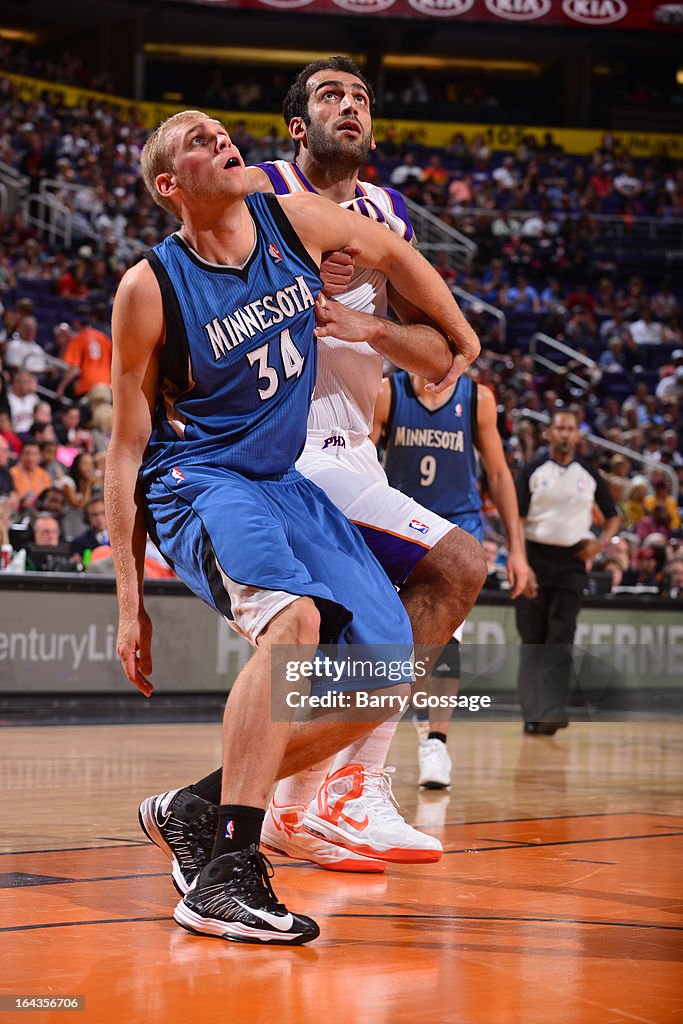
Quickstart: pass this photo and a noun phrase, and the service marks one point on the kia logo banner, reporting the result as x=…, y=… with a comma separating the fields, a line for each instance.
x=623, y=14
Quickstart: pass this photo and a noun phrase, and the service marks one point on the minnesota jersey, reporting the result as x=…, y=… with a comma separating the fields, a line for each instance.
x=238, y=364
x=430, y=453
x=349, y=376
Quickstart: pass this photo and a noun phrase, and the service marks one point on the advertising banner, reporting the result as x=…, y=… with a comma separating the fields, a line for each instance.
x=66, y=643
x=641, y=15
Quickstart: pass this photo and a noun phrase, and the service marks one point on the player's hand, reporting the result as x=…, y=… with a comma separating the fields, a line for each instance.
x=531, y=588
x=336, y=271
x=134, y=646
x=518, y=570
x=337, y=321
x=590, y=547
x=461, y=360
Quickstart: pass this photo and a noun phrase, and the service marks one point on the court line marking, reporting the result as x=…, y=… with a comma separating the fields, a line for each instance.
x=580, y=860
x=558, y=842
x=79, y=881
x=72, y=849
x=461, y=824
x=564, y=817
x=382, y=917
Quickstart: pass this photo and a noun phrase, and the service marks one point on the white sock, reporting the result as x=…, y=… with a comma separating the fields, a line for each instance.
x=371, y=750
x=302, y=787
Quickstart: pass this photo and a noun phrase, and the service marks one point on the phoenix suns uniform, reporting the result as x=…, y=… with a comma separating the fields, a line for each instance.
x=338, y=454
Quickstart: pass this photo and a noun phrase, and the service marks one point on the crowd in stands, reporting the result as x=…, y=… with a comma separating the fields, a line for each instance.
x=539, y=218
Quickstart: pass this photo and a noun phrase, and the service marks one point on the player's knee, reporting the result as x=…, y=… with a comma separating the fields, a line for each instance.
x=303, y=622
x=471, y=562
x=457, y=561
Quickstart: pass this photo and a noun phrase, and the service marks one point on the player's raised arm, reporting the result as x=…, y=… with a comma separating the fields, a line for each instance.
x=323, y=225
x=137, y=333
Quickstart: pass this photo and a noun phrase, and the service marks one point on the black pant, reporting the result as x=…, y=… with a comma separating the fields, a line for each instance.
x=546, y=626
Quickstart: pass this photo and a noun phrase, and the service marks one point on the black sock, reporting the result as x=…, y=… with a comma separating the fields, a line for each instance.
x=209, y=788
x=437, y=736
x=238, y=827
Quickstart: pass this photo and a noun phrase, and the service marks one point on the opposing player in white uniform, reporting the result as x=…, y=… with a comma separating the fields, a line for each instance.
x=341, y=816
x=438, y=567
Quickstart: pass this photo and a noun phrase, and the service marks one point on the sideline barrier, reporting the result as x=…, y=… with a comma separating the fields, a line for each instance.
x=430, y=133
x=68, y=645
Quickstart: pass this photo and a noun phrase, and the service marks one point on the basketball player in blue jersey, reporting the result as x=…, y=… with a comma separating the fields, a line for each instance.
x=430, y=453
x=214, y=364
x=341, y=815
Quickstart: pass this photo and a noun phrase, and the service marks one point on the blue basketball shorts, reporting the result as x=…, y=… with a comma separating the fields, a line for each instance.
x=249, y=548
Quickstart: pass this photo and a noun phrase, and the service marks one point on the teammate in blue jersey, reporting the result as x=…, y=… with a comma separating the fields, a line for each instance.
x=430, y=452
x=213, y=368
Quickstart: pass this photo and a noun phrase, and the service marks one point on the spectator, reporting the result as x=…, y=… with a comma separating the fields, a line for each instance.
x=68, y=426
x=661, y=496
x=646, y=331
x=671, y=448
x=612, y=566
x=61, y=336
x=460, y=190
x=611, y=360
x=650, y=573
x=670, y=384
x=664, y=303
x=83, y=483
x=23, y=351
x=656, y=522
x=43, y=554
x=505, y=176
x=618, y=479
x=49, y=461
x=52, y=500
x=523, y=297
x=100, y=432
x=95, y=535
x=8, y=433
x=28, y=478
x=505, y=226
x=619, y=550
x=22, y=399
x=89, y=354
x=634, y=509
x=407, y=172
x=552, y=297
x=8, y=491
x=5, y=523
x=674, y=578
x=496, y=578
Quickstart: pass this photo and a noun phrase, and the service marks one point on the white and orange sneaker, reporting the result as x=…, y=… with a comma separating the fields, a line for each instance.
x=282, y=832
x=356, y=809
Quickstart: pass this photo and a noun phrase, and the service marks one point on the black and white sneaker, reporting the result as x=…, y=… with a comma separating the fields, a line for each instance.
x=183, y=826
x=233, y=899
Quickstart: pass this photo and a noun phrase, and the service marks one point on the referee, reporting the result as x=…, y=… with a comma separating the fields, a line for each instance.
x=556, y=494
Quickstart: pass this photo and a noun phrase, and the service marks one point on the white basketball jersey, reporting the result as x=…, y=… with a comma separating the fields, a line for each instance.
x=349, y=375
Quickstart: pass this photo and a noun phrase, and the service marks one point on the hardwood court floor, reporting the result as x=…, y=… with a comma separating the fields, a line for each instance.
x=558, y=898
